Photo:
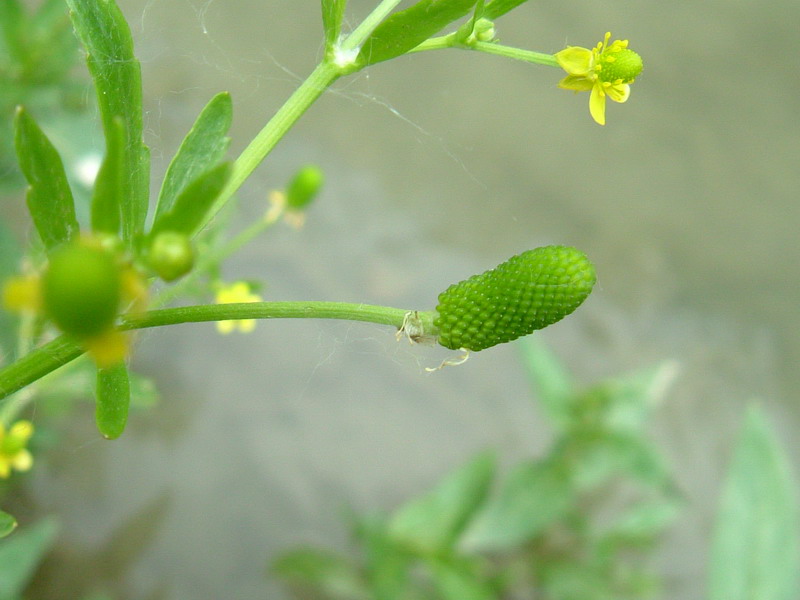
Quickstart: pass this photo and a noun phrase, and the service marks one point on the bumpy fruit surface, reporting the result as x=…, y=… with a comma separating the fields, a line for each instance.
x=527, y=292
x=81, y=289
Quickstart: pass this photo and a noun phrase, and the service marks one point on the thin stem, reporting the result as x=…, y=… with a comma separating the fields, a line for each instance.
x=452, y=41
x=383, y=315
x=368, y=25
x=63, y=350
x=37, y=364
x=510, y=52
x=312, y=88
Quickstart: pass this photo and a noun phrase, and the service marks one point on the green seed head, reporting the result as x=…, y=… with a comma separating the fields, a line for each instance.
x=622, y=65
x=527, y=292
x=81, y=289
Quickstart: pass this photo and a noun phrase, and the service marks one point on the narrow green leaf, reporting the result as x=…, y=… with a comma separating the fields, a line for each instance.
x=332, y=14
x=755, y=552
x=21, y=554
x=11, y=21
x=7, y=524
x=533, y=497
x=202, y=148
x=497, y=8
x=324, y=572
x=460, y=580
x=113, y=399
x=631, y=399
x=602, y=455
x=105, y=35
x=109, y=187
x=388, y=565
x=49, y=197
x=408, y=28
x=552, y=383
x=194, y=202
x=434, y=522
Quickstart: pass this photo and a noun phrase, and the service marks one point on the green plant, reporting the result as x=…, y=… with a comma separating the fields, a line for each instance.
x=198, y=184
x=543, y=530
x=537, y=528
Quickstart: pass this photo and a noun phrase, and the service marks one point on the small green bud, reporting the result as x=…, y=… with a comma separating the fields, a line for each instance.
x=304, y=187
x=527, y=292
x=171, y=255
x=81, y=289
x=484, y=30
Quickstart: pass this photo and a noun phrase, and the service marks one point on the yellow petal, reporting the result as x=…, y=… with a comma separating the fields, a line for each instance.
x=5, y=467
x=597, y=105
x=618, y=92
x=573, y=82
x=226, y=327
x=247, y=325
x=21, y=431
x=575, y=60
x=22, y=461
x=23, y=293
x=108, y=348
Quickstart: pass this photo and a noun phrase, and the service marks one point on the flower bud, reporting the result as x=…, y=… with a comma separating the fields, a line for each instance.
x=304, y=187
x=81, y=289
x=171, y=255
x=527, y=292
x=484, y=30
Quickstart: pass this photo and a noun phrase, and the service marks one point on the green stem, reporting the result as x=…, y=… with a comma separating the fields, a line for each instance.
x=368, y=25
x=516, y=53
x=298, y=103
x=383, y=315
x=37, y=364
x=451, y=41
x=62, y=350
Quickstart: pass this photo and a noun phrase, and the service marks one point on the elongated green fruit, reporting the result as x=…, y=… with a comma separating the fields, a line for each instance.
x=527, y=292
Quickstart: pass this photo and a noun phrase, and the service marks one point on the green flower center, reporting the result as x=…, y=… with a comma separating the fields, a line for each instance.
x=622, y=65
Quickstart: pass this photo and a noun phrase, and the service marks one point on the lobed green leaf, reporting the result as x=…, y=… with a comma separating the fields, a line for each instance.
x=202, y=148
x=332, y=14
x=113, y=400
x=756, y=546
x=324, y=572
x=533, y=497
x=194, y=202
x=49, y=196
x=434, y=522
x=116, y=73
x=460, y=580
x=109, y=187
x=408, y=28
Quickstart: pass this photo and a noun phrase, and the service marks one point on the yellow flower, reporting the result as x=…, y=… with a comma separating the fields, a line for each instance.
x=238, y=291
x=605, y=70
x=13, y=454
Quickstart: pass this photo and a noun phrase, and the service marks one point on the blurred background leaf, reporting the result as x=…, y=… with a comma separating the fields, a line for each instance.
x=21, y=554
x=756, y=547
